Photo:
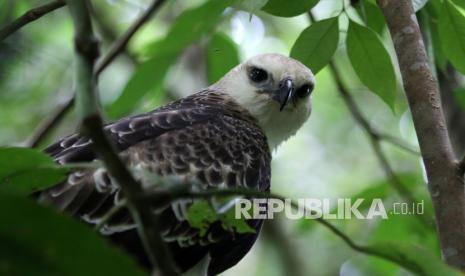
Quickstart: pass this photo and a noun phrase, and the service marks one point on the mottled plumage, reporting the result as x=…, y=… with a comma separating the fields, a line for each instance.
x=216, y=138
x=205, y=138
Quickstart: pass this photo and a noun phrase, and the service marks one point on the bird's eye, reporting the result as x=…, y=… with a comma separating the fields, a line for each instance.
x=304, y=91
x=257, y=74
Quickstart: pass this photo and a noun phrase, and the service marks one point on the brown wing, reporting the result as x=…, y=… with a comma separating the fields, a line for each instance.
x=205, y=138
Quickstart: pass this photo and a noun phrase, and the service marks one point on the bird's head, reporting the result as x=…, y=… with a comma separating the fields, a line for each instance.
x=275, y=89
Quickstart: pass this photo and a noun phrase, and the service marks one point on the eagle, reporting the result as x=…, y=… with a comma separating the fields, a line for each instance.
x=220, y=137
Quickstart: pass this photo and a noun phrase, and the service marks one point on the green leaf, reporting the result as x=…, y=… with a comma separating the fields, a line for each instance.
x=24, y=171
x=222, y=56
x=433, y=8
x=230, y=222
x=418, y=4
x=414, y=258
x=460, y=3
x=371, y=62
x=374, y=17
x=316, y=45
x=439, y=57
x=369, y=265
x=289, y=8
x=201, y=215
x=36, y=240
x=149, y=75
x=251, y=6
x=406, y=229
x=451, y=27
x=459, y=96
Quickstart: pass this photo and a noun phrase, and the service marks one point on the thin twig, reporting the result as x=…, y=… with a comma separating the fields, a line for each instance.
x=28, y=17
x=374, y=136
x=147, y=221
x=109, y=34
x=361, y=120
x=165, y=195
x=390, y=174
x=375, y=141
x=118, y=47
x=120, y=44
x=399, y=143
x=86, y=48
x=49, y=124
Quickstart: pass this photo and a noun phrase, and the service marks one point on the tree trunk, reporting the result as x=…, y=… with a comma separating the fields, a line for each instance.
x=445, y=182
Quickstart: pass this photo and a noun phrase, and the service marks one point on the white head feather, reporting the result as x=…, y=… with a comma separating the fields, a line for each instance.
x=259, y=98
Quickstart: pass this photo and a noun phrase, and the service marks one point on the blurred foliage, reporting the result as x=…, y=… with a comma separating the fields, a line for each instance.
x=188, y=27
x=416, y=259
x=47, y=243
x=189, y=45
x=460, y=97
x=451, y=27
x=24, y=171
x=222, y=56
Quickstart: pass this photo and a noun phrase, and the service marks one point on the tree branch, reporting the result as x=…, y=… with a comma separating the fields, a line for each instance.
x=374, y=141
x=449, y=81
x=374, y=134
x=358, y=116
x=50, y=123
x=86, y=48
x=375, y=138
x=398, y=143
x=120, y=44
x=163, y=196
x=118, y=47
x=108, y=33
x=169, y=193
x=28, y=17
x=445, y=183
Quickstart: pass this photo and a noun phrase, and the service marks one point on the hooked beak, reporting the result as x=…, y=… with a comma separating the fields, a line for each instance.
x=285, y=92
